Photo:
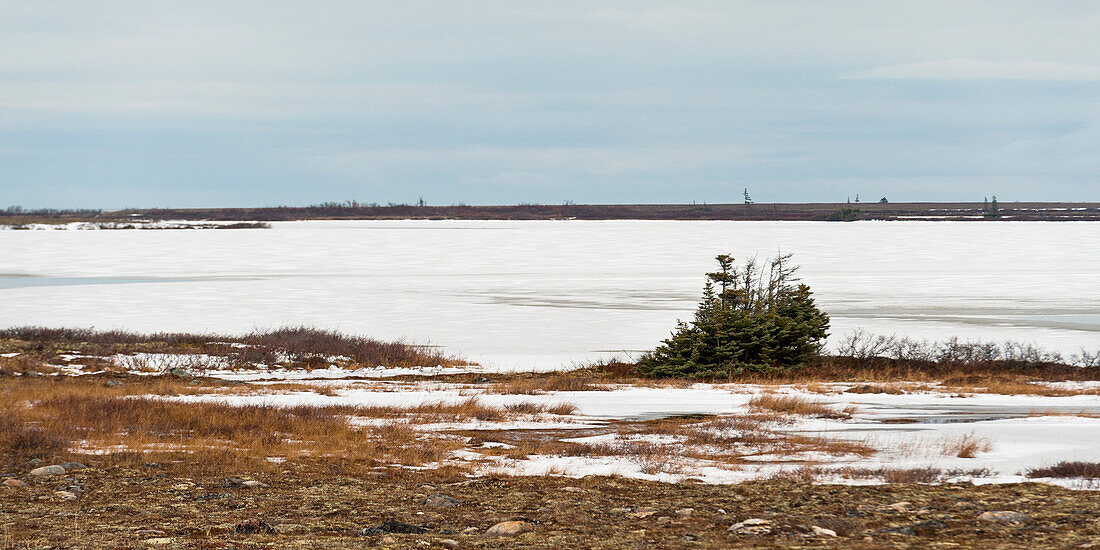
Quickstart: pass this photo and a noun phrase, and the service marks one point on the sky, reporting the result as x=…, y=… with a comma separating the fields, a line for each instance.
x=113, y=104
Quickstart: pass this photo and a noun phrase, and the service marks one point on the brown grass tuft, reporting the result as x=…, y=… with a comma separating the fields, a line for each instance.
x=791, y=404
x=966, y=446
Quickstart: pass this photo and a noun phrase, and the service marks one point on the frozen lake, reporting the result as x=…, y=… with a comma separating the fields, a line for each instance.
x=544, y=293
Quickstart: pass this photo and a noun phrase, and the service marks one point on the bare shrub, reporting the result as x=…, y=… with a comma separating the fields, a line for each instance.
x=1067, y=469
x=860, y=344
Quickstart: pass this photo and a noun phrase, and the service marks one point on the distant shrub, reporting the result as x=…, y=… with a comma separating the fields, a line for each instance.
x=751, y=319
x=844, y=215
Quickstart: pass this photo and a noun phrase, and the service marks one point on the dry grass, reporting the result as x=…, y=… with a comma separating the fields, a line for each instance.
x=792, y=404
x=891, y=389
x=555, y=382
x=299, y=347
x=60, y=418
x=1086, y=470
x=966, y=445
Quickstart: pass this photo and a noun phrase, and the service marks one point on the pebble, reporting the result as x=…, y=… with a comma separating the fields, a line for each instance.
x=664, y=520
x=822, y=532
x=449, y=543
x=439, y=501
x=254, y=527
x=1005, y=516
x=685, y=512
x=470, y=530
x=391, y=526
x=509, y=528
x=14, y=483
x=644, y=512
x=70, y=466
x=254, y=484
x=114, y=383
x=753, y=526
x=574, y=490
x=903, y=506
x=51, y=470
x=65, y=495
x=158, y=541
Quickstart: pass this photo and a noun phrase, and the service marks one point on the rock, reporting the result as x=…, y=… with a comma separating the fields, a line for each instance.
x=448, y=543
x=664, y=520
x=483, y=380
x=509, y=528
x=391, y=526
x=70, y=466
x=685, y=512
x=929, y=527
x=574, y=490
x=903, y=506
x=35, y=461
x=900, y=530
x=254, y=527
x=158, y=541
x=644, y=512
x=66, y=495
x=439, y=501
x=822, y=532
x=152, y=465
x=841, y=527
x=14, y=483
x=1005, y=516
x=114, y=383
x=178, y=372
x=967, y=505
x=620, y=510
x=425, y=486
x=753, y=526
x=51, y=470
x=690, y=537
x=253, y=484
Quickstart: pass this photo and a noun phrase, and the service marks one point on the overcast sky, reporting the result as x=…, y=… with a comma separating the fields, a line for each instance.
x=181, y=104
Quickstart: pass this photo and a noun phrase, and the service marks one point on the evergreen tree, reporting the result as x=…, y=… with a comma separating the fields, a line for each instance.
x=751, y=318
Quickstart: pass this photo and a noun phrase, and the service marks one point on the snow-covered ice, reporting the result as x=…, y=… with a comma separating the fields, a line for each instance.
x=542, y=294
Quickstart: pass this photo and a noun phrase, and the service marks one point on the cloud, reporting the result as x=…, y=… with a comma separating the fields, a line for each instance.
x=972, y=69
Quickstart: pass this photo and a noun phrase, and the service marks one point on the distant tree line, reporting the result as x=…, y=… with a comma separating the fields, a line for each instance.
x=20, y=211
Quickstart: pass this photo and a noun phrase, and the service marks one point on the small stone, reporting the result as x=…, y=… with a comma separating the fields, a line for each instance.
x=399, y=527
x=822, y=532
x=574, y=490
x=35, y=461
x=254, y=527
x=14, y=483
x=644, y=512
x=51, y=470
x=114, y=383
x=685, y=512
x=929, y=527
x=1005, y=516
x=439, y=501
x=753, y=526
x=158, y=541
x=253, y=484
x=66, y=495
x=483, y=380
x=664, y=520
x=903, y=506
x=470, y=531
x=722, y=511
x=620, y=510
x=70, y=466
x=900, y=530
x=452, y=544
x=509, y=528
